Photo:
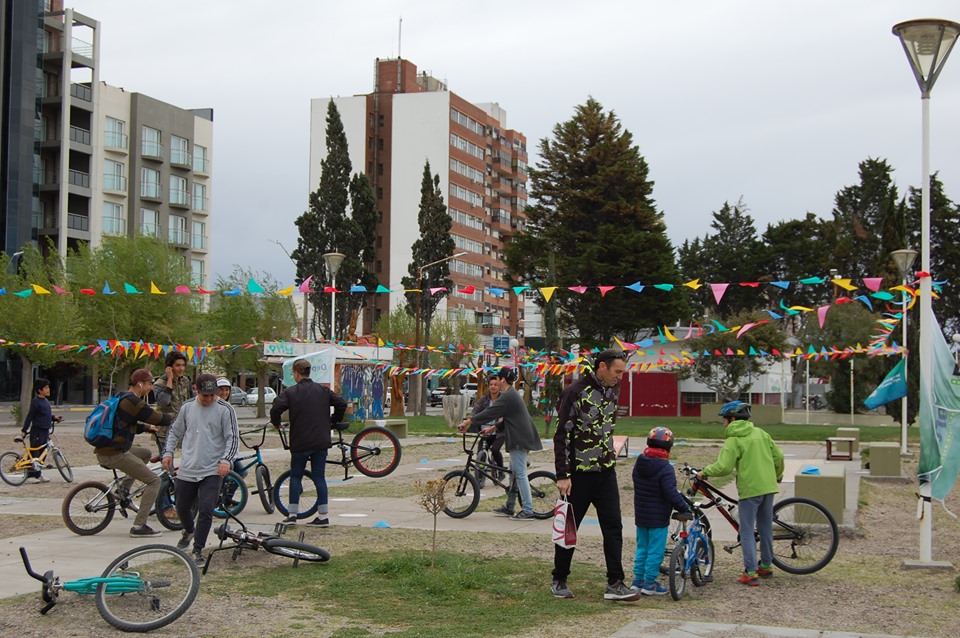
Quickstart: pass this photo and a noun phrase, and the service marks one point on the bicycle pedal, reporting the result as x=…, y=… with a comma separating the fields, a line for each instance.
x=280, y=529
x=728, y=549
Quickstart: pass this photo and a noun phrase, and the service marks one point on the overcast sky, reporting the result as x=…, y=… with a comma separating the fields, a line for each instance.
x=774, y=102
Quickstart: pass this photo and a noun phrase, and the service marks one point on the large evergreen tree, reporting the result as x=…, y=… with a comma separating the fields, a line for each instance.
x=595, y=212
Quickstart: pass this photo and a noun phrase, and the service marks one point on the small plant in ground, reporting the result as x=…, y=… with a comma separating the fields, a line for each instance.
x=956, y=584
x=17, y=413
x=431, y=499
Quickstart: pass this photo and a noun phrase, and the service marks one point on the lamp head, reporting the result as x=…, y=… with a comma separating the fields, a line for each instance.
x=333, y=261
x=927, y=43
x=904, y=259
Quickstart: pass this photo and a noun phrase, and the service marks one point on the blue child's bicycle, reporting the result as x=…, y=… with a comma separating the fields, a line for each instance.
x=143, y=589
x=692, y=556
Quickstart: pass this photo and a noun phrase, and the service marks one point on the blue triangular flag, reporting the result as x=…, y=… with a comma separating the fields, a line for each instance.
x=893, y=387
x=382, y=524
x=636, y=287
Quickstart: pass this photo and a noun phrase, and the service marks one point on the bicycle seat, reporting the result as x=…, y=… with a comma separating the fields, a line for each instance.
x=19, y=439
x=342, y=426
x=682, y=516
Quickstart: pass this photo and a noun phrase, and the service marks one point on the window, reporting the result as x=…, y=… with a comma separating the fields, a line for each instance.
x=477, y=295
x=149, y=222
x=458, y=142
x=470, y=221
x=467, y=244
x=196, y=272
x=150, y=144
x=199, y=196
x=466, y=120
x=699, y=397
x=177, y=233
x=464, y=268
x=466, y=170
x=114, y=222
x=199, y=158
x=115, y=133
x=150, y=183
x=113, y=176
x=178, y=191
x=474, y=199
x=199, y=237
x=179, y=151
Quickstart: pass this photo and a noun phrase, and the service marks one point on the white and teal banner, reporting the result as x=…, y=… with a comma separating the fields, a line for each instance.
x=940, y=420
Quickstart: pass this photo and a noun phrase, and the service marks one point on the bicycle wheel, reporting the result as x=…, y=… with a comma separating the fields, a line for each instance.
x=62, y=466
x=483, y=459
x=294, y=549
x=237, y=489
x=264, y=488
x=375, y=451
x=308, y=498
x=461, y=494
x=8, y=460
x=543, y=488
x=166, y=506
x=702, y=570
x=88, y=508
x=805, y=536
x=677, y=572
x=149, y=587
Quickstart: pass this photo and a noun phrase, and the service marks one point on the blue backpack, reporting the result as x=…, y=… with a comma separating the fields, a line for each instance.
x=98, y=430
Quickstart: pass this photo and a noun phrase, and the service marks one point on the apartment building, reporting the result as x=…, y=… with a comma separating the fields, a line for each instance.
x=411, y=117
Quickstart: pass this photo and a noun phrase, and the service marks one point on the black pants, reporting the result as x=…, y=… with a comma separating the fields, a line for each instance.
x=495, y=448
x=600, y=490
x=202, y=495
x=38, y=437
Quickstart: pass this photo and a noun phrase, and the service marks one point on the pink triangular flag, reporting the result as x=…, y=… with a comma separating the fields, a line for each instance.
x=605, y=289
x=181, y=290
x=718, y=290
x=822, y=314
x=305, y=286
x=577, y=289
x=434, y=291
x=873, y=283
x=60, y=291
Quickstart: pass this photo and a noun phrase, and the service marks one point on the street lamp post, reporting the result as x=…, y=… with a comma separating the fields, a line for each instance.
x=333, y=261
x=904, y=260
x=927, y=44
x=306, y=304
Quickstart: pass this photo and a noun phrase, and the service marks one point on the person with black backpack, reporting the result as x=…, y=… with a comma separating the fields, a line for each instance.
x=134, y=416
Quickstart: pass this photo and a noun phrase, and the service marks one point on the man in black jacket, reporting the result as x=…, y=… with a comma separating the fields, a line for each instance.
x=310, y=422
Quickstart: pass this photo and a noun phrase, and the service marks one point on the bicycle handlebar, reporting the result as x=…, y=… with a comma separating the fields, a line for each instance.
x=26, y=565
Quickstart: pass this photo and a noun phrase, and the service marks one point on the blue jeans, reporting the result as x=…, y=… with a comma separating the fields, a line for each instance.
x=518, y=465
x=318, y=470
x=651, y=545
x=756, y=513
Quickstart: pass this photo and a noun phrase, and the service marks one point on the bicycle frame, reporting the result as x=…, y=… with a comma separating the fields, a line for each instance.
x=472, y=465
x=52, y=584
x=345, y=460
x=256, y=456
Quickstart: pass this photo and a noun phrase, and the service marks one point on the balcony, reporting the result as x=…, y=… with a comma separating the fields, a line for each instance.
x=78, y=178
x=115, y=183
x=113, y=141
x=179, y=236
x=151, y=150
x=180, y=157
x=199, y=203
x=79, y=135
x=81, y=92
x=150, y=230
x=198, y=242
x=79, y=47
x=151, y=190
x=180, y=198
x=201, y=165
x=114, y=226
x=78, y=222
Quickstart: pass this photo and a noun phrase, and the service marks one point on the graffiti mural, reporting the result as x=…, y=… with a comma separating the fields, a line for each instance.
x=363, y=387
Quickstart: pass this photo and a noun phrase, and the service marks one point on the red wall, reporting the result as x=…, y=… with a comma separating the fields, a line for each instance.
x=654, y=394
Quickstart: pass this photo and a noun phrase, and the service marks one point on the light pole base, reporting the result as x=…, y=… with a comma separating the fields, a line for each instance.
x=934, y=565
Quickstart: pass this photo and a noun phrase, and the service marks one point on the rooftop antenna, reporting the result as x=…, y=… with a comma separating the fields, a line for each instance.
x=399, y=36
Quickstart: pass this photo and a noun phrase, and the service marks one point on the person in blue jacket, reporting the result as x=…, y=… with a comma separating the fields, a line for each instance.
x=655, y=496
x=39, y=422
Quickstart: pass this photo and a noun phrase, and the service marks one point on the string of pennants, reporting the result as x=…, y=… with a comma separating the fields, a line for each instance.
x=547, y=292
x=133, y=349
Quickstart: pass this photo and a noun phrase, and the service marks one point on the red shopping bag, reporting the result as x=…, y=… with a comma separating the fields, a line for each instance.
x=564, y=525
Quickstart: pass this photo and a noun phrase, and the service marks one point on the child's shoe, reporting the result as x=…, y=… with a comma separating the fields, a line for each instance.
x=749, y=578
x=653, y=589
x=636, y=584
x=765, y=572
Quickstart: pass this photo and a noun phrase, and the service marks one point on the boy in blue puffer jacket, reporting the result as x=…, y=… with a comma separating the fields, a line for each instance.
x=655, y=496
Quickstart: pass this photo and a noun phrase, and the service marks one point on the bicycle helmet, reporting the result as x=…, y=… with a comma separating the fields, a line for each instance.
x=508, y=374
x=735, y=410
x=661, y=438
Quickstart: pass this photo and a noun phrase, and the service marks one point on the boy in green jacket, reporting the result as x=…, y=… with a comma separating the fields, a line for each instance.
x=759, y=464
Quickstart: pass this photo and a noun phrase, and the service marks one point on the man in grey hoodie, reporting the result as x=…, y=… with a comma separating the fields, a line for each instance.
x=522, y=437
x=207, y=427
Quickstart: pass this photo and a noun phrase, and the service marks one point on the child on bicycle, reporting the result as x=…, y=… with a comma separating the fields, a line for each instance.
x=39, y=422
x=759, y=464
x=655, y=496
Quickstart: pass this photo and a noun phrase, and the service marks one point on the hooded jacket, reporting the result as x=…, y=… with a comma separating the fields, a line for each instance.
x=655, y=494
x=757, y=459
x=586, y=415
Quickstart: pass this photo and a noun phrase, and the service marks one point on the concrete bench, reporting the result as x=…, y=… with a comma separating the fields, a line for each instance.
x=397, y=426
x=621, y=446
x=837, y=455
x=850, y=433
x=828, y=488
x=884, y=459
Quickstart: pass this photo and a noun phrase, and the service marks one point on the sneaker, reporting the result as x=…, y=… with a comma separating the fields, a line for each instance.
x=198, y=558
x=185, y=539
x=619, y=591
x=41, y=479
x=765, y=572
x=503, y=511
x=653, y=589
x=749, y=579
x=523, y=516
x=636, y=584
x=143, y=531
x=560, y=590
x=290, y=520
x=319, y=522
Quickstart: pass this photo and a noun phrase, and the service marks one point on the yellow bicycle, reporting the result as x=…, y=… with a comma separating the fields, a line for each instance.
x=14, y=467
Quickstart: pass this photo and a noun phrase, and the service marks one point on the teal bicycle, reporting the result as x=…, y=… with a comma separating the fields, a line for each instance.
x=143, y=589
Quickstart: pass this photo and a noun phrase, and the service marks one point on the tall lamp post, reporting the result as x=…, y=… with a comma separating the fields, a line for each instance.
x=306, y=304
x=417, y=317
x=927, y=43
x=333, y=261
x=904, y=260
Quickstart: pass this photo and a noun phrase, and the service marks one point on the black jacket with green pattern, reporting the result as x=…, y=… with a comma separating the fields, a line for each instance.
x=586, y=415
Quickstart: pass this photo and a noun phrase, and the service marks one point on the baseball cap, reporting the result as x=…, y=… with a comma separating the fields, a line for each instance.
x=223, y=382
x=206, y=384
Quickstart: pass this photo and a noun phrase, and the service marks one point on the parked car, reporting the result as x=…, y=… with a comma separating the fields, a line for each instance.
x=436, y=396
x=469, y=390
x=237, y=396
x=269, y=394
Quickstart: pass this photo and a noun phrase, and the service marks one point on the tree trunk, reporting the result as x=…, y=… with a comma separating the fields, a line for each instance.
x=424, y=359
x=397, y=408
x=261, y=383
x=26, y=387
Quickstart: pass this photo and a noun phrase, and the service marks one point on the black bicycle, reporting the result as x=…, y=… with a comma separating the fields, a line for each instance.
x=374, y=451
x=461, y=492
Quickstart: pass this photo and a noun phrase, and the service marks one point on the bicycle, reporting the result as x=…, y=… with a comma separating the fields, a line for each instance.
x=805, y=534
x=243, y=539
x=261, y=471
x=15, y=467
x=374, y=451
x=461, y=489
x=693, y=554
x=143, y=589
x=485, y=457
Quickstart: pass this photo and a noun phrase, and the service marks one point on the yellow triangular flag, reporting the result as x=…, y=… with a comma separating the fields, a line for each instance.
x=695, y=284
x=286, y=292
x=40, y=290
x=666, y=333
x=548, y=292
x=844, y=283
x=154, y=290
x=380, y=342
